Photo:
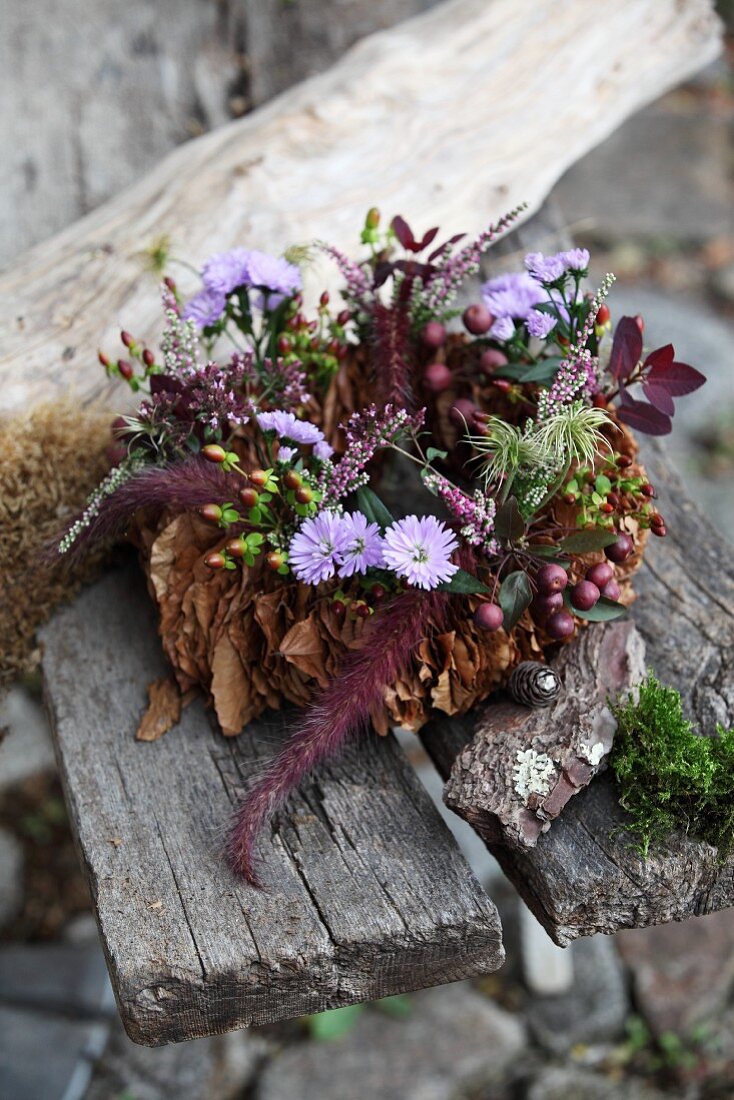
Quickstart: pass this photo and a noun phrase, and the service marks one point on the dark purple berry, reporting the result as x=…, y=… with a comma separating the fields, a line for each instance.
x=600, y=574
x=620, y=550
x=434, y=334
x=488, y=616
x=461, y=414
x=437, y=377
x=491, y=359
x=477, y=320
x=584, y=595
x=611, y=590
x=551, y=578
x=560, y=625
x=543, y=606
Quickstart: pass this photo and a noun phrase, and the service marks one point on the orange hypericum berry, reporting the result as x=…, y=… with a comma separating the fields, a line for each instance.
x=212, y=513
x=259, y=478
x=215, y=560
x=274, y=560
x=213, y=453
x=292, y=480
x=249, y=497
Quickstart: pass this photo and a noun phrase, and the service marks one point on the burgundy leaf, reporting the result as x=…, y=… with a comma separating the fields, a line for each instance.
x=645, y=418
x=659, y=397
x=660, y=357
x=677, y=378
x=427, y=239
x=383, y=271
x=626, y=348
x=403, y=232
x=446, y=246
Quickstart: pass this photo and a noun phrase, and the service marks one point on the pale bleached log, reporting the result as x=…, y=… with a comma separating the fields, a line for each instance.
x=452, y=117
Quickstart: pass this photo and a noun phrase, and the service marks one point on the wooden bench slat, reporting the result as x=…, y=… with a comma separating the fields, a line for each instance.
x=366, y=892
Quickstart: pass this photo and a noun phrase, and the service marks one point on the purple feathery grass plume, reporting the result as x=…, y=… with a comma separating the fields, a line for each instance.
x=394, y=363
x=337, y=713
x=182, y=485
x=446, y=283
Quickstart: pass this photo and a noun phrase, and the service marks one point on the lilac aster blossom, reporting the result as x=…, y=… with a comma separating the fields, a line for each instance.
x=316, y=547
x=323, y=450
x=287, y=454
x=287, y=426
x=511, y=295
x=503, y=329
x=272, y=274
x=205, y=308
x=419, y=548
x=225, y=271
x=545, y=269
x=362, y=545
x=576, y=259
x=540, y=324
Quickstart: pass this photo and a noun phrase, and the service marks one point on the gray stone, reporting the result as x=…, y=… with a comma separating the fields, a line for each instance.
x=45, y=1057
x=26, y=747
x=11, y=876
x=569, y=1083
x=62, y=978
x=452, y=1041
x=723, y=282
x=594, y=1008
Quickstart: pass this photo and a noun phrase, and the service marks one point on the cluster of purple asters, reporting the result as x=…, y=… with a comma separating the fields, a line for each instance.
x=287, y=426
x=515, y=297
x=417, y=548
x=272, y=276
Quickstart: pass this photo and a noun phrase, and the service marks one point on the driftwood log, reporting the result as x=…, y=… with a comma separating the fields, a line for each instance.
x=366, y=892
x=583, y=875
x=516, y=91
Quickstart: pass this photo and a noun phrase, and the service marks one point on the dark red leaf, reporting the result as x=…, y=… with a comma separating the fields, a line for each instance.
x=446, y=246
x=660, y=357
x=677, y=378
x=403, y=232
x=659, y=397
x=645, y=418
x=427, y=239
x=626, y=348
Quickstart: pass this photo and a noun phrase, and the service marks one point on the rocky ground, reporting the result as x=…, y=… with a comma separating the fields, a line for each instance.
x=649, y=1013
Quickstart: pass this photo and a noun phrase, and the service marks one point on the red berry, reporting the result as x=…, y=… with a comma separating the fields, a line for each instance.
x=126, y=339
x=603, y=314
x=170, y=283
x=461, y=414
x=361, y=609
x=624, y=461
x=613, y=499
x=249, y=497
x=304, y=495
x=611, y=590
x=560, y=625
x=236, y=547
x=488, y=616
x=259, y=478
x=212, y=513
x=491, y=359
x=502, y=385
x=607, y=507
x=584, y=595
x=570, y=498
x=148, y=357
x=103, y=359
x=343, y=317
x=125, y=369
x=324, y=299
x=215, y=560
x=378, y=592
x=551, y=578
x=274, y=560
x=647, y=490
x=656, y=520
x=292, y=480
x=434, y=334
x=620, y=550
x=213, y=453
x=437, y=377
x=543, y=606
x=600, y=574
x=284, y=344
x=340, y=609
x=661, y=531
x=477, y=320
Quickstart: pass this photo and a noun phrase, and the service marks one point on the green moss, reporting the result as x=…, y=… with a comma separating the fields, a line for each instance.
x=670, y=779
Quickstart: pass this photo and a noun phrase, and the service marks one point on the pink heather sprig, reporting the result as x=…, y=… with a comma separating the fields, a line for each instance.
x=366, y=432
x=288, y=381
x=446, y=283
x=475, y=514
x=358, y=282
x=179, y=343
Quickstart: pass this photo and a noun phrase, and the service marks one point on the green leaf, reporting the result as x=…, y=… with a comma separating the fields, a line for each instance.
x=583, y=542
x=601, y=612
x=508, y=523
x=372, y=507
x=463, y=583
x=515, y=596
x=433, y=452
x=326, y=1026
x=255, y=514
x=602, y=484
x=551, y=552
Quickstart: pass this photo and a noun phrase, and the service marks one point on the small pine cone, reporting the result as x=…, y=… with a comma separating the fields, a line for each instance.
x=534, y=685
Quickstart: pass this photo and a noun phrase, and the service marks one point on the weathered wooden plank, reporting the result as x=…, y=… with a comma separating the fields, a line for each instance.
x=452, y=117
x=583, y=876
x=366, y=892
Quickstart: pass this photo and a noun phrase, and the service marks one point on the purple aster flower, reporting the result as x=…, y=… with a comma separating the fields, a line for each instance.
x=419, y=548
x=511, y=295
x=362, y=546
x=545, y=269
x=205, y=308
x=272, y=274
x=503, y=329
x=225, y=271
x=540, y=324
x=576, y=259
x=287, y=426
x=286, y=454
x=315, y=548
x=323, y=450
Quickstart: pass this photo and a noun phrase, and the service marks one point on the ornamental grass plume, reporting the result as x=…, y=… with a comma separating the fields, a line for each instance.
x=337, y=713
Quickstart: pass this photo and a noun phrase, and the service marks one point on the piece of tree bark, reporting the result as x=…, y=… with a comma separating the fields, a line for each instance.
x=365, y=891
x=516, y=92
x=584, y=876
x=572, y=738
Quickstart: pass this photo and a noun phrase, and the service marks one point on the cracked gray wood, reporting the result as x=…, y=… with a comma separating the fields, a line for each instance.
x=583, y=876
x=574, y=736
x=507, y=108
x=366, y=893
